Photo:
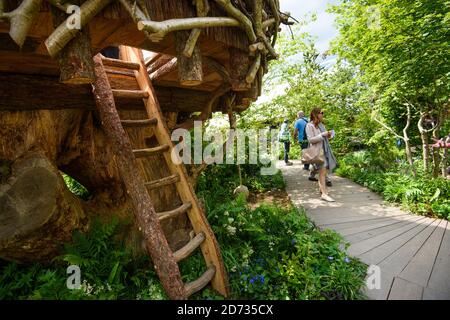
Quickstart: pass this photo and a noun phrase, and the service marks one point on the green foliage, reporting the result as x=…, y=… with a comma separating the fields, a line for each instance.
x=270, y=252
x=75, y=187
x=422, y=194
x=108, y=271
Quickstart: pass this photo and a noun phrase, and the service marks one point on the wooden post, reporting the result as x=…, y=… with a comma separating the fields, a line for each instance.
x=239, y=62
x=156, y=243
x=75, y=59
x=190, y=70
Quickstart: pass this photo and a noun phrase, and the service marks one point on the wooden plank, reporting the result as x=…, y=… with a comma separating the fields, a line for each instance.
x=405, y=290
x=194, y=286
x=163, y=215
x=187, y=250
x=139, y=123
x=129, y=94
x=210, y=247
x=140, y=153
x=359, y=247
x=120, y=63
x=163, y=182
x=378, y=254
x=396, y=262
x=326, y=221
x=347, y=229
x=386, y=230
x=440, y=276
x=420, y=267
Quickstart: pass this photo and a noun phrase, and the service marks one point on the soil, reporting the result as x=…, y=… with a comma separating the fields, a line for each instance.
x=273, y=196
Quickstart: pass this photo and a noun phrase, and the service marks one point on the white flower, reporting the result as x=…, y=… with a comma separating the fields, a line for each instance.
x=231, y=230
x=226, y=213
x=230, y=220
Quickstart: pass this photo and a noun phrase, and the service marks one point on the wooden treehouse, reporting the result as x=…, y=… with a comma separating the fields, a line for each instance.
x=93, y=89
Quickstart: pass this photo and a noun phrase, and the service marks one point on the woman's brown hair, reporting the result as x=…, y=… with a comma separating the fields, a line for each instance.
x=315, y=114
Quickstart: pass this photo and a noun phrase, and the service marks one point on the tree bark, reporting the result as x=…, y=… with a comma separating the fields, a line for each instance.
x=75, y=59
x=425, y=144
x=190, y=70
x=239, y=62
x=156, y=243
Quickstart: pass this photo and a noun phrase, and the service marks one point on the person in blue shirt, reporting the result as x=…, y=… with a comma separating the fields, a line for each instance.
x=284, y=136
x=300, y=133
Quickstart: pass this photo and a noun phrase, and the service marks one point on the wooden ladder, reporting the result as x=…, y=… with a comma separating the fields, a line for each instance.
x=132, y=61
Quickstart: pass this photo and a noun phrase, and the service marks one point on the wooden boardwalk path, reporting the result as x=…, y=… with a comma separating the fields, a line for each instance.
x=412, y=252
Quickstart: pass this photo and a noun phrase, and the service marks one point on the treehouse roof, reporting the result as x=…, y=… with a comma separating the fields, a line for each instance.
x=226, y=50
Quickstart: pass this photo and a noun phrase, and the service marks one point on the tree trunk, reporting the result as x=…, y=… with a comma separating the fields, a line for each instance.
x=239, y=62
x=407, y=143
x=437, y=151
x=425, y=145
x=156, y=243
x=73, y=142
x=75, y=59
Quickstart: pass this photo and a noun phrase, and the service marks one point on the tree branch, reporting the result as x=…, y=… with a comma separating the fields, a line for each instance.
x=159, y=30
x=238, y=15
x=202, y=11
x=64, y=33
x=21, y=19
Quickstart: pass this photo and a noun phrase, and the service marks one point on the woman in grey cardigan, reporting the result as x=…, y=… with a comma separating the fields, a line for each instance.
x=318, y=138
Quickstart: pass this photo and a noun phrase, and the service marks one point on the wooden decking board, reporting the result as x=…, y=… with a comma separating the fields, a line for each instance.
x=413, y=252
x=383, y=234
x=399, y=259
x=439, y=277
x=372, y=225
x=405, y=290
x=421, y=265
x=378, y=254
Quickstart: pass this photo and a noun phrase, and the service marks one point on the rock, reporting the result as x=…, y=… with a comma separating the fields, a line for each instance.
x=241, y=189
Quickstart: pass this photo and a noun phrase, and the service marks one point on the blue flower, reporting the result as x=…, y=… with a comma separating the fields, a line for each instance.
x=252, y=280
x=346, y=260
x=261, y=278
x=330, y=258
x=294, y=241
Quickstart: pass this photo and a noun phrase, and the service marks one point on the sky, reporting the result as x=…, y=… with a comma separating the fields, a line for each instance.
x=323, y=28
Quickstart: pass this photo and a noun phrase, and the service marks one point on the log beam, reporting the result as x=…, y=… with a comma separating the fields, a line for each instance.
x=190, y=70
x=66, y=32
x=34, y=95
x=75, y=59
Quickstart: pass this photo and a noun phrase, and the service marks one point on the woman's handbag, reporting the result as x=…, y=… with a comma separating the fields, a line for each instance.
x=313, y=156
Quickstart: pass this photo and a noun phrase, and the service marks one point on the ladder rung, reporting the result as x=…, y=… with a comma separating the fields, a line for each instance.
x=186, y=251
x=197, y=285
x=139, y=123
x=163, y=215
x=120, y=63
x=138, y=94
x=139, y=153
x=163, y=182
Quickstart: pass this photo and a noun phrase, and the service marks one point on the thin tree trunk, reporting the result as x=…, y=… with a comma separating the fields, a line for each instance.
x=156, y=243
x=425, y=144
x=406, y=139
x=437, y=151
